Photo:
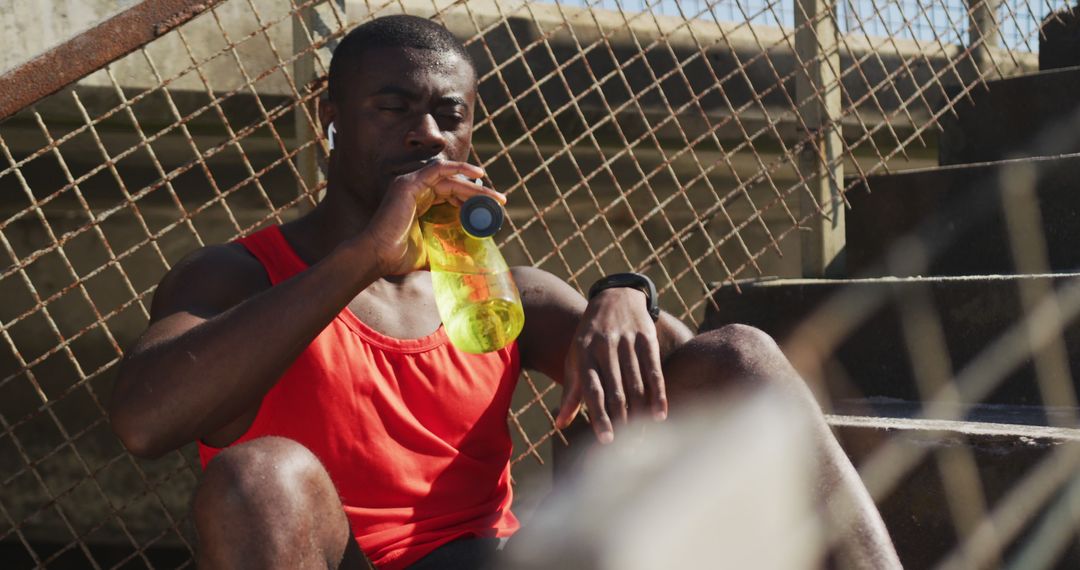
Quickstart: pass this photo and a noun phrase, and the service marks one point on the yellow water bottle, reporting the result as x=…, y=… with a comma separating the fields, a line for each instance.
x=474, y=291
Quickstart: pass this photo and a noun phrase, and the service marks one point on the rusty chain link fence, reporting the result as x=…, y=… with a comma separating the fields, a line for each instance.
x=702, y=142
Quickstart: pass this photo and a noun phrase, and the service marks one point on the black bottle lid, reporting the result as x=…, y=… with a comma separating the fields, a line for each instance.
x=481, y=216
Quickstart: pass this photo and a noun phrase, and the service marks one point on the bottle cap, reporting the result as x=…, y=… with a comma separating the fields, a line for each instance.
x=481, y=216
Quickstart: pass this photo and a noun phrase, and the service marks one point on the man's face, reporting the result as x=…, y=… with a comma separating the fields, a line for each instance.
x=401, y=107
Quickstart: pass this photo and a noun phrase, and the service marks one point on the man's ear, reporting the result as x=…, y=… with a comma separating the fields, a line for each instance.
x=327, y=114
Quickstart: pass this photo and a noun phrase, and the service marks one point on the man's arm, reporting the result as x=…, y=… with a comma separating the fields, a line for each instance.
x=218, y=340
x=220, y=337
x=606, y=352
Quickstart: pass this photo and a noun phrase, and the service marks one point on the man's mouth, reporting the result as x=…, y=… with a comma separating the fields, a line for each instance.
x=412, y=166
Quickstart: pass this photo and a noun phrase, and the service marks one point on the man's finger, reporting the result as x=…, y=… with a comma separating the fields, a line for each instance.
x=448, y=178
x=652, y=374
x=633, y=385
x=572, y=389
x=593, y=393
x=611, y=376
x=571, y=404
x=462, y=189
x=448, y=168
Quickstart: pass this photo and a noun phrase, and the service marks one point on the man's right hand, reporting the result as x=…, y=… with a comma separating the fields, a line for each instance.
x=394, y=231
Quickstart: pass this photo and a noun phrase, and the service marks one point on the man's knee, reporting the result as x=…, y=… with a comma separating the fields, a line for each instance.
x=272, y=488
x=258, y=474
x=730, y=356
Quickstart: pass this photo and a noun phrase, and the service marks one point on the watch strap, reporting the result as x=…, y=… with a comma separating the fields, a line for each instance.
x=635, y=281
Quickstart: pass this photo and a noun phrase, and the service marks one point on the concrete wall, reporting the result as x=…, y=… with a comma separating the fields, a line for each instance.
x=29, y=28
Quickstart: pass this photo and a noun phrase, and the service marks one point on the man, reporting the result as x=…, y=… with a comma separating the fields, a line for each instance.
x=335, y=422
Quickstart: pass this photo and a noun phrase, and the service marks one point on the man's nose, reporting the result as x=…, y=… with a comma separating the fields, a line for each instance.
x=426, y=133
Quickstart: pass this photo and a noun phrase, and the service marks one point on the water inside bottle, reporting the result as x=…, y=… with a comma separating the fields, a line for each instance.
x=476, y=321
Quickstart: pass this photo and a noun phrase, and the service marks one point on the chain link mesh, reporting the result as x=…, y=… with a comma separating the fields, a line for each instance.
x=670, y=138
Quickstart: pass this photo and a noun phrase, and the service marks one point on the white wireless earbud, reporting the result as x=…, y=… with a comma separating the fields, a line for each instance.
x=330, y=132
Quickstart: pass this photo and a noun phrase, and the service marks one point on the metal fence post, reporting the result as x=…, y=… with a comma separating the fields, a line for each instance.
x=984, y=33
x=817, y=90
x=307, y=160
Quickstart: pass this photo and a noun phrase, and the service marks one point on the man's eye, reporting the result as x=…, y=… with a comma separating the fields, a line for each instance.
x=393, y=109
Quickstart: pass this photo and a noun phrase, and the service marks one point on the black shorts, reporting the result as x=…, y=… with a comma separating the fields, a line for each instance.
x=469, y=553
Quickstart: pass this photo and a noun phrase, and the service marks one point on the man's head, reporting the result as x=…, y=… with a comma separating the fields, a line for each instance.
x=400, y=32
x=402, y=90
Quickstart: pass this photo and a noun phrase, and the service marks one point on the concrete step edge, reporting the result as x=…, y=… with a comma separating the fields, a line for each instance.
x=1029, y=76
x=1033, y=432
x=976, y=412
x=888, y=280
x=968, y=166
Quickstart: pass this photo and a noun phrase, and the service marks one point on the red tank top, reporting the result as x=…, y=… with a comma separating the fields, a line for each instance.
x=413, y=432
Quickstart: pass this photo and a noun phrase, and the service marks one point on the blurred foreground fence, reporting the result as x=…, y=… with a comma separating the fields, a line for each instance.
x=701, y=142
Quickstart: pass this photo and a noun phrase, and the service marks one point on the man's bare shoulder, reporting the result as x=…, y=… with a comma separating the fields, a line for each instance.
x=210, y=280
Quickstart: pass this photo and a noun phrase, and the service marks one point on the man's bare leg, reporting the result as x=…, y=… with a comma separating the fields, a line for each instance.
x=736, y=357
x=269, y=503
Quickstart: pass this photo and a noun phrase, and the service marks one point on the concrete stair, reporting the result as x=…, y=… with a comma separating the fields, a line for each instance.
x=998, y=437
x=933, y=287
x=1023, y=116
x=958, y=214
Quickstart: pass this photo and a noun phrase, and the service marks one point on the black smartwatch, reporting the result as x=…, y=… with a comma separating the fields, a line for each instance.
x=634, y=280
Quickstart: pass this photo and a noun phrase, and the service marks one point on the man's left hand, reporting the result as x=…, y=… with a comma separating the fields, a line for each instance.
x=614, y=364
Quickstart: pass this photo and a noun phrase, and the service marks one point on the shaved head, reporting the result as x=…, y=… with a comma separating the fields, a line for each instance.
x=424, y=37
